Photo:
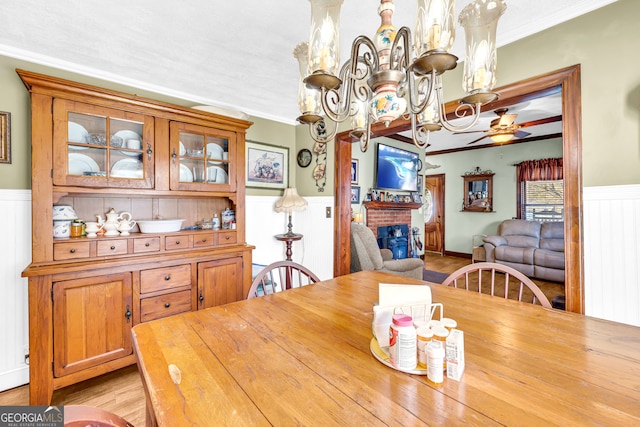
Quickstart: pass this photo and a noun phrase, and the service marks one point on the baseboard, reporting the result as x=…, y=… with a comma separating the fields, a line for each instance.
x=458, y=254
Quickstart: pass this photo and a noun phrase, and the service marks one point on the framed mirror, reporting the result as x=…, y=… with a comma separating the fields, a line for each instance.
x=478, y=192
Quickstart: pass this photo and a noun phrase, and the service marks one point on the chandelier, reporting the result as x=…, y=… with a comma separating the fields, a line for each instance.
x=393, y=76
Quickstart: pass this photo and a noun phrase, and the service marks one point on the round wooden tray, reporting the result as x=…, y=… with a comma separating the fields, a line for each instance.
x=382, y=354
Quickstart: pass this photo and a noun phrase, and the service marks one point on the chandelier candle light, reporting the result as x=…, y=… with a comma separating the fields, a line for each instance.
x=392, y=76
x=290, y=202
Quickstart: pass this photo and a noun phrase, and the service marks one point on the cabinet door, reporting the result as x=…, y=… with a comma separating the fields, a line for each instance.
x=101, y=147
x=219, y=282
x=202, y=158
x=92, y=322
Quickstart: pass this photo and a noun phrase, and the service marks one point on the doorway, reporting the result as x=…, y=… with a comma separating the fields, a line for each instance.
x=434, y=213
x=569, y=81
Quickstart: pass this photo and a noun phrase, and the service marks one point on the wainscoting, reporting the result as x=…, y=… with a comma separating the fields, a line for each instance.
x=315, y=250
x=612, y=252
x=15, y=255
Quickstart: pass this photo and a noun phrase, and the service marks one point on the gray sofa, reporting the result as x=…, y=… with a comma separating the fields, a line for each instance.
x=366, y=255
x=534, y=248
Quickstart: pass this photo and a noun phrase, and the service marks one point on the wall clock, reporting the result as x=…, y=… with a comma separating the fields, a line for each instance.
x=304, y=158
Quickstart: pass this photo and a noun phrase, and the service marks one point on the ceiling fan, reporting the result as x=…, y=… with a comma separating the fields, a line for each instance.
x=504, y=128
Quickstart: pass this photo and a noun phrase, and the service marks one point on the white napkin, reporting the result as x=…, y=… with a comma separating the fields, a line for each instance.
x=415, y=298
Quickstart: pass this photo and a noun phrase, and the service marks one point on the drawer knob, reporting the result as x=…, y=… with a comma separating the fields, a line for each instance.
x=167, y=305
x=147, y=244
x=73, y=251
x=113, y=248
x=204, y=240
x=227, y=237
x=177, y=242
x=167, y=277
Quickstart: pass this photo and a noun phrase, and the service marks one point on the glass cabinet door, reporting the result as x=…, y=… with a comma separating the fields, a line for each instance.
x=201, y=158
x=101, y=147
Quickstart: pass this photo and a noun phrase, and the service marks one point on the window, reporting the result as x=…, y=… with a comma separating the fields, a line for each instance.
x=542, y=200
x=540, y=190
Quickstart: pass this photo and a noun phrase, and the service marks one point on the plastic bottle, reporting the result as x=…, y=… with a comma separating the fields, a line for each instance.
x=216, y=222
x=435, y=362
x=440, y=334
x=403, y=348
x=424, y=337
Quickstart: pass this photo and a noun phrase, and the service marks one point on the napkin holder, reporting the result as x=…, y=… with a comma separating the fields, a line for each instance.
x=414, y=300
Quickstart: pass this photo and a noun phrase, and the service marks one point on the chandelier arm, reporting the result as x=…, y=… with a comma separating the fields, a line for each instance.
x=342, y=97
x=402, y=35
x=474, y=115
x=414, y=135
x=319, y=133
x=366, y=137
x=416, y=104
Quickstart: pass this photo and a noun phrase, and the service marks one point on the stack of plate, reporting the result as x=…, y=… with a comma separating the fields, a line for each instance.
x=127, y=168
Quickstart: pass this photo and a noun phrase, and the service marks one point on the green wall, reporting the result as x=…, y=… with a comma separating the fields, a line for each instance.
x=460, y=225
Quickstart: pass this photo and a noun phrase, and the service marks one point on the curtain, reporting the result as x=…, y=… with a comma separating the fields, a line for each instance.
x=539, y=170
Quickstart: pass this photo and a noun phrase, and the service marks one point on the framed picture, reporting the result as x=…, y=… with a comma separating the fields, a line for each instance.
x=354, y=171
x=5, y=137
x=355, y=195
x=267, y=165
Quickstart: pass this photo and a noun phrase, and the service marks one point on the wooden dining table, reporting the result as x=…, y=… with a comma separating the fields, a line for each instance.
x=302, y=357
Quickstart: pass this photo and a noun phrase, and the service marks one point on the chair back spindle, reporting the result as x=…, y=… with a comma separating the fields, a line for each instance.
x=486, y=275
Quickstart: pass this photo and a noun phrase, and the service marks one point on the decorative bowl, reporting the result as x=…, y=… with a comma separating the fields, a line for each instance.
x=159, y=225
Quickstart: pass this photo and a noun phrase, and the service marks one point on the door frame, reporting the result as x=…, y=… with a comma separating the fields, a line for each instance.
x=568, y=80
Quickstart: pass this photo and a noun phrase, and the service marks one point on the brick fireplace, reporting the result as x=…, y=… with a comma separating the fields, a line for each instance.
x=380, y=214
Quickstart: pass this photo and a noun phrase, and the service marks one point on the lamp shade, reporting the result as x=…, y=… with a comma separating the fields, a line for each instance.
x=290, y=202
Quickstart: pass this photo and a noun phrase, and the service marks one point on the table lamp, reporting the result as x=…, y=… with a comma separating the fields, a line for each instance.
x=290, y=202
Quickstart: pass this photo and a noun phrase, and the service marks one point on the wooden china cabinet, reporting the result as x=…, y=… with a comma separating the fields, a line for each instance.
x=97, y=149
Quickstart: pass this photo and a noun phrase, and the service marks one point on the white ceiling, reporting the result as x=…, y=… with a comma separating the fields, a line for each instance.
x=234, y=54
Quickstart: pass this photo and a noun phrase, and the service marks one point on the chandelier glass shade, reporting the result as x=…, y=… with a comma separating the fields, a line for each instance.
x=391, y=76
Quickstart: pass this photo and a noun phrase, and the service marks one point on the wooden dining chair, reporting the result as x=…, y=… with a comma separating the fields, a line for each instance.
x=83, y=416
x=485, y=275
x=279, y=276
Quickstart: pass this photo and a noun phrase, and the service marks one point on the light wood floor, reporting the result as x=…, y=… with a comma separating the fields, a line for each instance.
x=449, y=264
x=121, y=392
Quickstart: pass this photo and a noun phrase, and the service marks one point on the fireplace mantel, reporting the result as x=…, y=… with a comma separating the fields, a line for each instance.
x=391, y=205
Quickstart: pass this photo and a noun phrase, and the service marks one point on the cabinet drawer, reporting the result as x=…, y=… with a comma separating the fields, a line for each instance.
x=149, y=244
x=178, y=242
x=165, y=305
x=227, y=238
x=159, y=279
x=112, y=247
x=203, y=240
x=71, y=250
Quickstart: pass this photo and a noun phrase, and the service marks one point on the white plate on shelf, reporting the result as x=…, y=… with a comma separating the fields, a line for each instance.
x=77, y=133
x=126, y=135
x=127, y=168
x=183, y=150
x=185, y=174
x=214, y=152
x=217, y=174
x=80, y=163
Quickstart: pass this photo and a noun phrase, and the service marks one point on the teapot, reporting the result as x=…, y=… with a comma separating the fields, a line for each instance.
x=110, y=226
x=125, y=225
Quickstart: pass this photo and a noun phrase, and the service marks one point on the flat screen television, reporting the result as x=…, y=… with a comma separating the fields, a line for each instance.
x=396, y=169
